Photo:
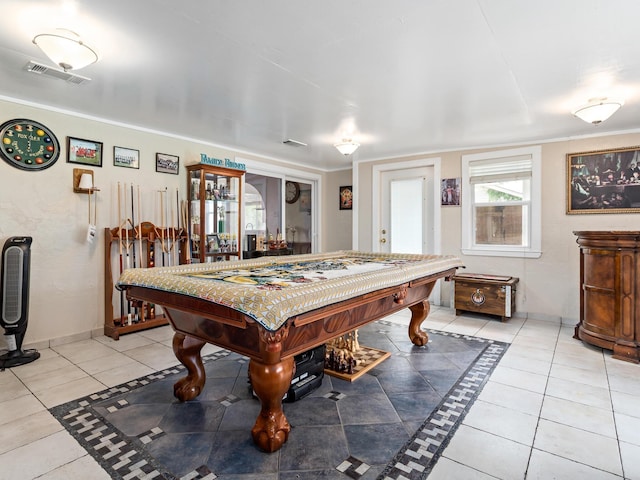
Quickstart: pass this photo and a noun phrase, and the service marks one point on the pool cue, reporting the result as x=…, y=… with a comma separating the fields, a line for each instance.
x=187, y=220
x=95, y=211
x=165, y=230
x=151, y=257
x=166, y=216
x=126, y=227
x=178, y=226
x=165, y=223
x=172, y=250
x=161, y=225
x=187, y=228
x=133, y=226
x=133, y=247
x=140, y=225
x=141, y=315
x=120, y=247
x=126, y=233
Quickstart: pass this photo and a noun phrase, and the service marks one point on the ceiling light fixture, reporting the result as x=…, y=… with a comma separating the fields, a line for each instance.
x=65, y=48
x=347, y=146
x=597, y=110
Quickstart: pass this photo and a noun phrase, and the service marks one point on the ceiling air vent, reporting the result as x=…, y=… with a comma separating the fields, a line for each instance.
x=39, y=69
x=294, y=143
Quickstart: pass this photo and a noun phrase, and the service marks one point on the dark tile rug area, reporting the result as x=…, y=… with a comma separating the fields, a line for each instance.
x=391, y=423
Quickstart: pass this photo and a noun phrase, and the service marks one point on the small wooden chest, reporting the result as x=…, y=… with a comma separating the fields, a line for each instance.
x=489, y=294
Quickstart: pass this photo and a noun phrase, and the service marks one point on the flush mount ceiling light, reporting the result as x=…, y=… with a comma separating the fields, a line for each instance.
x=597, y=110
x=65, y=48
x=347, y=146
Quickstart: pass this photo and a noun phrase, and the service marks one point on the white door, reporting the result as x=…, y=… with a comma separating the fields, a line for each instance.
x=406, y=211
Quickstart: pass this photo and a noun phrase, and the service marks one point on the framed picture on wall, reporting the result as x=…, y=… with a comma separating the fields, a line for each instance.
x=606, y=181
x=84, y=152
x=346, y=197
x=166, y=163
x=126, y=157
x=450, y=191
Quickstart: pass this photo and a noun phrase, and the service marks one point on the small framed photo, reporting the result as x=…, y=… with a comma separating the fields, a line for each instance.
x=84, y=152
x=213, y=243
x=450, y=191
x=346, y=197
x=126, y=157
x=606, y=181
x=166, y=163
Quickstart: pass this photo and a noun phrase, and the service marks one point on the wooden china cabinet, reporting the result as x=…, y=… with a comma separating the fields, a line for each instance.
x=610, y=291
x=214, y=213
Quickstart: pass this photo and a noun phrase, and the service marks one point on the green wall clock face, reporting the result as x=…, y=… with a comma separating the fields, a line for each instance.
x=28, y=145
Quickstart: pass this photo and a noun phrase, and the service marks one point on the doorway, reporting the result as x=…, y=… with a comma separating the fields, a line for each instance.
x=298, y=216
x=276, y=208
x=262, y=210
x=406, y=209
x=406, y=224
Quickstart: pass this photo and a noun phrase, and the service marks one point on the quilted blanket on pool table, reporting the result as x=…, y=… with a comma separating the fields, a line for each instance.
x=273, y=289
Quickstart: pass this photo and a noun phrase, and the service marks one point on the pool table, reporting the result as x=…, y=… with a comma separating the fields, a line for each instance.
x=271, y=309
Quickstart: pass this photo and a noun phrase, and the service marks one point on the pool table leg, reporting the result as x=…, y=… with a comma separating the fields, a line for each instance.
x=187, y=350
x=419, y=312
x=271, y=382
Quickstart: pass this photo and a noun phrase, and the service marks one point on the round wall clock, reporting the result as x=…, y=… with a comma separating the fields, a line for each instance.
x=28, y=145
x=292, y=192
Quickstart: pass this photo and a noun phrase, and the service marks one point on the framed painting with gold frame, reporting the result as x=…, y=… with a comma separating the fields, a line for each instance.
x=605, y=181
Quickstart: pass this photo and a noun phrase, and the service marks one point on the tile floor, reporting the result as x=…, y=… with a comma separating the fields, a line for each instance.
x=362, y=429
x=553, y=408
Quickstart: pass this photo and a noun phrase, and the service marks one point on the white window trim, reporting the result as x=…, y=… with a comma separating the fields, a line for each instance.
x=534, y=250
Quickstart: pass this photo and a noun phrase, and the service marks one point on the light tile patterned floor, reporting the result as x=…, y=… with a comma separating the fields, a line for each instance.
x=553, y=408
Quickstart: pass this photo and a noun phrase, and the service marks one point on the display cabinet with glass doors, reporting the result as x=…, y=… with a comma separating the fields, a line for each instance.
x=214, y=213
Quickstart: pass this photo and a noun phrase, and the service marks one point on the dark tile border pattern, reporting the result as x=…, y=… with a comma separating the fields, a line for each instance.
x=420, y=454
x=126, y=458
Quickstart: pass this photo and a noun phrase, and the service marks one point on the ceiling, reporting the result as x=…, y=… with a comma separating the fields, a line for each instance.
x=400, y=77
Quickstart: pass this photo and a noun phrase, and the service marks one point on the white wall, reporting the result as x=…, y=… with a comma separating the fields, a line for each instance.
x=549, y=285
x=67, y=273
x=338, y=225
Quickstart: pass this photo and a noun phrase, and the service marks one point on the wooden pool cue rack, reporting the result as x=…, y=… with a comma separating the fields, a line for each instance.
x=146, y=246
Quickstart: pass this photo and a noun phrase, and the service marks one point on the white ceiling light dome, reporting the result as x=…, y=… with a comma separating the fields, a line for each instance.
x=347, y=146
x=66, y=49
x=597, y=110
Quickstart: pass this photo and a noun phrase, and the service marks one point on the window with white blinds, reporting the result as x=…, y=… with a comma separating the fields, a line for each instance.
x=502, y=214
x=483, y=170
